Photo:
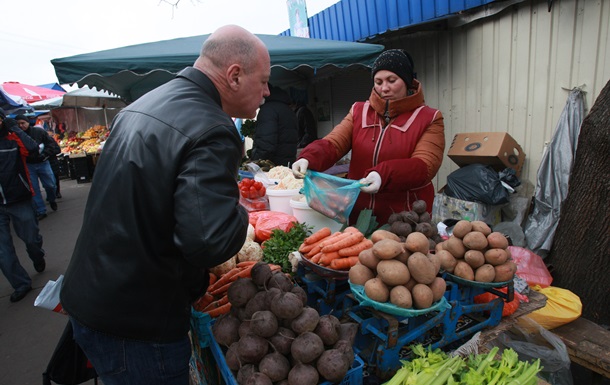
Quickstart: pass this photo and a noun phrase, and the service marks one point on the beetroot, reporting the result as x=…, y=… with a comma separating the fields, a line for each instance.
x=252, y=349
x=263, y=323
x=225, y=329
x=286, y=305
x=307, y=347
x=275, y=365
x=241, y=291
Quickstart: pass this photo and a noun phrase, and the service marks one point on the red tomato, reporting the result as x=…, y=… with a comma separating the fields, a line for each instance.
x=257, y=185
x=253, y=193
x=246, y=182
x=263, y=191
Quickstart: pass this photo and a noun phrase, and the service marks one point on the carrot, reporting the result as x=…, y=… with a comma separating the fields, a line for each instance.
x=246, y=263
x=326, y=258
x=318, y=235
x=224, y=279
x=343, y=263
x=349, y=239
x=318, y=246
x=364, y=244
x=316, y=258
x=221, y=290
x=351, y=229
x=218, y=303
x=203, y=301
x=220, y=310
x=213, y=278
x=275, y=267
x=246, y=272
x=305, y=248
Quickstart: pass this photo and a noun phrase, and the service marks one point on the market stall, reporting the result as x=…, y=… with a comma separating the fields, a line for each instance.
x=365, y=299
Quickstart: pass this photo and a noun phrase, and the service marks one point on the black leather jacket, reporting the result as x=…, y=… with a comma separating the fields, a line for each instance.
x=163, y=207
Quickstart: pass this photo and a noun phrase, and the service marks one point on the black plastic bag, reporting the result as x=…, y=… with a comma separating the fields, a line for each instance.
x=68, y=365
x=476, y=183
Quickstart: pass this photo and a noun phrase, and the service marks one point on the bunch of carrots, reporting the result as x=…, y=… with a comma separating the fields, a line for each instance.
x=215, y=301
x=338, y=251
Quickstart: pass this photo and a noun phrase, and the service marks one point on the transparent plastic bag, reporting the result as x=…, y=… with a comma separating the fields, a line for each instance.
x=531, y=341
x=331, y=196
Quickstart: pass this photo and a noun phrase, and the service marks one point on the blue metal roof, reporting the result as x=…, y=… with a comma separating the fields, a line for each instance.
x=357, y=20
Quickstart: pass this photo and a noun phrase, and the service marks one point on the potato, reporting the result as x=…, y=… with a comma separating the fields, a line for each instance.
x=393, y=272
x=463, y=270
x=462, y=228
x=481, y=226
x=421, y=268
x=475, y=240
x=422, y=296
x=368, y=259
x=497, y=240
x=439, y=246
x=376, y=290
x=417, y=242
x=359, y=274
x=380, y=234
x=409, y=285
x=387, y=248
x=401, y=297
x=404, y=256
x=474, y=258
x=496, y=256
x=505, y=272
x=455, y=246
x=438, y=287
x=436, y=261
x=485, y=273
x=448, y=261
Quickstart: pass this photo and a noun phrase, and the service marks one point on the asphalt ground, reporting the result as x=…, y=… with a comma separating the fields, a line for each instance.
x=29, y=334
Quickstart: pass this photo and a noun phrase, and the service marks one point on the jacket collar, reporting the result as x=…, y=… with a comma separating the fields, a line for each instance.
x=400, y=106
x=202, y=80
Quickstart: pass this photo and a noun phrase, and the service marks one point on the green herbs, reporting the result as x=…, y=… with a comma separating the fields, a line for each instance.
x=434, y=367
x=278, y=247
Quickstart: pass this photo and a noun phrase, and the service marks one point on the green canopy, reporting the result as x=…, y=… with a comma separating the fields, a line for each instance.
x=132, y=71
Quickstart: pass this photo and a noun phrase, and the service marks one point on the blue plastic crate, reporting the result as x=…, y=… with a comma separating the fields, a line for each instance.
x=353, y=377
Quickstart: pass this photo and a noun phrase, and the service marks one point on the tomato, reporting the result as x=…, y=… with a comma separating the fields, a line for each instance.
x=263, y=191
x=247, y=182
x=257, y=185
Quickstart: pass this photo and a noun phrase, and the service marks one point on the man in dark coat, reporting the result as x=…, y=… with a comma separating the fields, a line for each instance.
x=276, y=133
x=16, y=206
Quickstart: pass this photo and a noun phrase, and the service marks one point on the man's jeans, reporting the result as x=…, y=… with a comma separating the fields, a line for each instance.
x=43, y=172
x=120, y=361
x=26, y=227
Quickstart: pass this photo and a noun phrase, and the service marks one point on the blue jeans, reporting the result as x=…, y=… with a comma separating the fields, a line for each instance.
x=43, y=172
x=26, y=227
x=120, y=361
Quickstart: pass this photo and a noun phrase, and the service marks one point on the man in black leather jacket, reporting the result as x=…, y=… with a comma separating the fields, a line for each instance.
x=163, y=208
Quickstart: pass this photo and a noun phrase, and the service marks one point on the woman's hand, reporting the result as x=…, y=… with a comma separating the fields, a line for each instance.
x=372, y=183
x=300, y=167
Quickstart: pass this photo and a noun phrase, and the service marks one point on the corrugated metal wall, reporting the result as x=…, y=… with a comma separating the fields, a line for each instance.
x=512, y=72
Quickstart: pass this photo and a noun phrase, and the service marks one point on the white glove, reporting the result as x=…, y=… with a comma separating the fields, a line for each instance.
x=372, y=183
x=300, y=167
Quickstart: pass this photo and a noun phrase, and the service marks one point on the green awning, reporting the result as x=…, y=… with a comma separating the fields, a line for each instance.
x=132, y=71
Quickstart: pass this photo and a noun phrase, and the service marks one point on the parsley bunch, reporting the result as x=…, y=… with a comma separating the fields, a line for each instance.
x=278, y=247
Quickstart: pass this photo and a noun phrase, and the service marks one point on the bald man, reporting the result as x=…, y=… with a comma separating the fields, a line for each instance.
x=164, y=208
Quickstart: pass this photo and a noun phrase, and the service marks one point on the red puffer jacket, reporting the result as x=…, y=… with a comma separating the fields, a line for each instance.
x=407, y=152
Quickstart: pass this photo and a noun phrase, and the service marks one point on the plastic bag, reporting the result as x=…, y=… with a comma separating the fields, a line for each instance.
x=265, y=222
x=476, y=183
x=531, y=341
x=562, y=307
x=256, y=204
x=530, y=267
x=331, y=196
x=49, y=296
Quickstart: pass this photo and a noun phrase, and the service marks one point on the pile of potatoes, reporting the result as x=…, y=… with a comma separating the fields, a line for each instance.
x=417, y=219
x=273, y=337
x=475, y=253
x=401, y=273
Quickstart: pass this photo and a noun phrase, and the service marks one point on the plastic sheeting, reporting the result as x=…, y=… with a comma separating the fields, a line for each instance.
x=553, y=176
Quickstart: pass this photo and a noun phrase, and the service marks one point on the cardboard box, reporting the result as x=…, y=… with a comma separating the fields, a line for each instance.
x=446, y=207
x=497, y=149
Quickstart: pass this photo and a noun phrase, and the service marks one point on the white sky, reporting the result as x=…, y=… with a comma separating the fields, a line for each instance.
x=32, y=32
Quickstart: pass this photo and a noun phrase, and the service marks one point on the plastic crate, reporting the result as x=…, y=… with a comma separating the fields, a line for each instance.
x=353, y=377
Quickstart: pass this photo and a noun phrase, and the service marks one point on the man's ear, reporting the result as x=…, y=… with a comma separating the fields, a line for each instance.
x=234, y=73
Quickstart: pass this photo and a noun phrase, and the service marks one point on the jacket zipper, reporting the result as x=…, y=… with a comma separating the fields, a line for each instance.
x=378, y=145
